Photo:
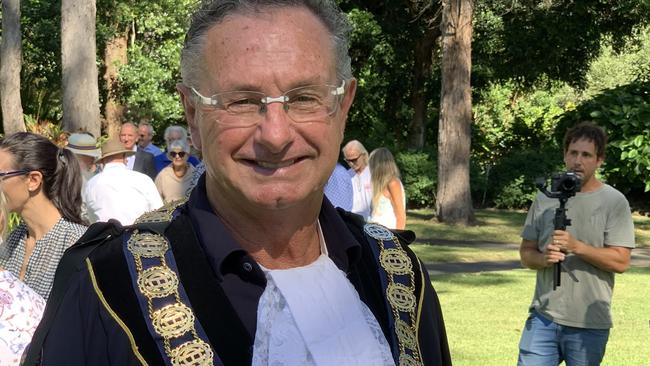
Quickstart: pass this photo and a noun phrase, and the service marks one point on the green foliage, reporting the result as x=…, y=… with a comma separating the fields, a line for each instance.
x=513, y=142
x=41, y=68
x=419, y=178
x=147, y=83
x=625, y=113
x=530, y=40
x=516, y=194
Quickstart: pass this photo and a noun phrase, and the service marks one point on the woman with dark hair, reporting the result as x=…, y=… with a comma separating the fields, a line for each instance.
x=42, y=183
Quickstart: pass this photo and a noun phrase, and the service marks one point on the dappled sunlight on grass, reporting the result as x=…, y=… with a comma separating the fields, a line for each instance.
x=496, y=226
x=493, y=226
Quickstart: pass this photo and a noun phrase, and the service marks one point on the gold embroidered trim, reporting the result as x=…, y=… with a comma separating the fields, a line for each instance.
x=163, y=214
x=102, y=299
x=401, y=298
x=174, y=319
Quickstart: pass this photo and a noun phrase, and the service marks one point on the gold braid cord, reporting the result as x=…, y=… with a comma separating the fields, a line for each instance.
x=174, y=319
x=401, y=298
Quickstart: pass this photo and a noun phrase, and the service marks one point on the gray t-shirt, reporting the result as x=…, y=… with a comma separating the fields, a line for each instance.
x=598, y=218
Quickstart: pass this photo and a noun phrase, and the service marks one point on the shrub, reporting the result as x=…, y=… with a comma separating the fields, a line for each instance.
x=419, y=175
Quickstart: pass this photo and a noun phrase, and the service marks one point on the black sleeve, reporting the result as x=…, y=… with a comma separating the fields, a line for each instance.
x=432, y=333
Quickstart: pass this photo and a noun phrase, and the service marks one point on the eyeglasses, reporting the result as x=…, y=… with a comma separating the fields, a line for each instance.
x=352, y=161
x=313, y=103
x=180, y=154
x=12, y=173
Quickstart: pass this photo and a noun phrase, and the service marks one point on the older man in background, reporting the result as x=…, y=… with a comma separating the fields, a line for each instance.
x=356, y=156
x=84, y=147
x=140, y=161
x=147, y=132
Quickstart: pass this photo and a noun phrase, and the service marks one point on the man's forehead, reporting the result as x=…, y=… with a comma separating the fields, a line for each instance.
x=273, y=41
x=350, y=151
x=582, y=144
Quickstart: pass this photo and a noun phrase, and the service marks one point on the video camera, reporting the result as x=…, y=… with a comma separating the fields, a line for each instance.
x=563, y=186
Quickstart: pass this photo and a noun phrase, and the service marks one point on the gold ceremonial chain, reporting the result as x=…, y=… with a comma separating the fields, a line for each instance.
x=401, y=298
x=174, y=319
x=163, y=214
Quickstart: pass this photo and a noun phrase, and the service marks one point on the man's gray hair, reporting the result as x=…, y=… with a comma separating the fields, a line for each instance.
x=356, y=145
x=179, y=144
x=148, y=126
x=212, y=12
x=175, y=128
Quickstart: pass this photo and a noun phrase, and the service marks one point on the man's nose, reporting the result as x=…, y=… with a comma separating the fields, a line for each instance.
x=275, y=131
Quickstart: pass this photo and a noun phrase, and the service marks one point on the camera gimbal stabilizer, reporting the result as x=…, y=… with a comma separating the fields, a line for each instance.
x=563, y=187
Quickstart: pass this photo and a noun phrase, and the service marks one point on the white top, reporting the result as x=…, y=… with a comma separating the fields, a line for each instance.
x=384, y=213
x=362, y=193
x=121, y=194
x=21, y=309
x=130, y=160
x=313, y=315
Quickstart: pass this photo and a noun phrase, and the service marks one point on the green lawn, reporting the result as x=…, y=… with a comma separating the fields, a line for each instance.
x=484, y=314
x=493, y=226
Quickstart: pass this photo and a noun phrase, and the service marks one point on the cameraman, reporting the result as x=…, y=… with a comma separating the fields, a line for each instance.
x=572, y=322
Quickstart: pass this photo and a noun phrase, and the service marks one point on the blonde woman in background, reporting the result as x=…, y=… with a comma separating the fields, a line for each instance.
x=21, y=307
x=388, y=200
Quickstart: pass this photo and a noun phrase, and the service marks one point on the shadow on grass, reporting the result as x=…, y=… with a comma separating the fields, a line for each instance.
x=480, y=279
x=421, y=215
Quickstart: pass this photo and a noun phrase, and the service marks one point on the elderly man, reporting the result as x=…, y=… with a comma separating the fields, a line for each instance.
x=173, y=133
x=256, y=267
x=140, y=161
x=146, y=133
x=118, y=193
x=84, y=147
x=356, y=156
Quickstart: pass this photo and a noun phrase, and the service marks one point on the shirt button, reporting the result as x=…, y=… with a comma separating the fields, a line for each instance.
x=247, y=267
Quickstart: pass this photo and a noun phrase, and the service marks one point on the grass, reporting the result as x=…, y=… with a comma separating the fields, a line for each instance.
x=444, y=253
x=493, y=226
x=485, y=312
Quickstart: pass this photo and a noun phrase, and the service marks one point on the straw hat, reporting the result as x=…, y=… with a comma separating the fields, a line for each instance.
x=113, y=147
x=83, y=144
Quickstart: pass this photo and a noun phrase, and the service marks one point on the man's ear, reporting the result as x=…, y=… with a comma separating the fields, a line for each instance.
x=348, y=97
x=190, y=113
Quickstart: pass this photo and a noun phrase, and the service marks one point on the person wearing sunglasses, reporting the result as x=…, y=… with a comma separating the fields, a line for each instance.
x=173, y=181
x=42, y=184
x=356, y=156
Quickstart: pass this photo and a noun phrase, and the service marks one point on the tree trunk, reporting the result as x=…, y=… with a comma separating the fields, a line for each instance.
x=79, y=67
x=454, y=203
x=115, y=55
x=421, y=69
x=10, y=65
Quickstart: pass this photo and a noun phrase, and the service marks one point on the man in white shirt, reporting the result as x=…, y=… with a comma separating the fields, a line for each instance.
x=117, y=192
x=356, y=156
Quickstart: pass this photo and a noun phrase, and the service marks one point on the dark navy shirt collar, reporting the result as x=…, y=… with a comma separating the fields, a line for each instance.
x=226, y=255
